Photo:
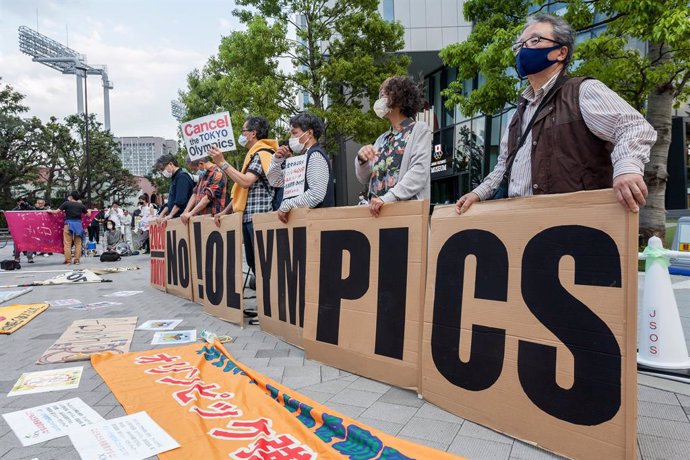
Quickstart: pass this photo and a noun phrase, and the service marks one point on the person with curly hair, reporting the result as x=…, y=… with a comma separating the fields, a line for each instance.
x=397, y=166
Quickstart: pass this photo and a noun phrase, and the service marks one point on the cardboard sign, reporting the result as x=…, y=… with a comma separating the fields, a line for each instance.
x=280, y=255
x=86, y=337
x=157, y=243
x=13, y=317
x=200, y=134
x=196, y=269
x=178, y=259
x=294, y=176
x=365, y=289
x=40, y=231
x=216, y=407
x=217, y=266
x=530, y=320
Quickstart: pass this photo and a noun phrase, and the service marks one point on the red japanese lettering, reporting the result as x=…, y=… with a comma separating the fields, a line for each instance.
x=221, y=409
x=159, y=358
x=284, y=447
x=243, y=429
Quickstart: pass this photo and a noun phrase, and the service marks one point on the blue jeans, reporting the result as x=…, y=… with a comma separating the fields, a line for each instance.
x=248, y=238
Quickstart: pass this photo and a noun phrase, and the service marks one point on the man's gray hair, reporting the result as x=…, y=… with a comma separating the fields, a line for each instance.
x=563, y=32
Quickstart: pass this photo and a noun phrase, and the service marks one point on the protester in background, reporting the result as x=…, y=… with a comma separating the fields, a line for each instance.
x=94, y=226
x=114, y=214
x=251, y=193
x=599, y=141
x=362, y=201
x=148, y=214
x=318, y=186
x=127, y=221
x=113, y=236
x=41, y=206
x=209, y=194
x=193, y=167
x=397, y=166
x=181, y=186
x=23, y=205
x=154, y=201
x=73, y=231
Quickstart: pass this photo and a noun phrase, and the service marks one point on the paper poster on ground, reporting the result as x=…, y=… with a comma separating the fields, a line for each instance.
x=9, y=295
x=174, y=337
x=75, y=276
x=50, y=421
x=133, y=437
x=160, y=325
x=201, y=133
x=43, y=381
x=123, y=294
x=89, y=336
x=294, y=176
x=64, y=302
x=15, y=316
x=94, y=306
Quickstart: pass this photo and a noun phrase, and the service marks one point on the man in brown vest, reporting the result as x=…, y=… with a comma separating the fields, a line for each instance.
x=568, y=134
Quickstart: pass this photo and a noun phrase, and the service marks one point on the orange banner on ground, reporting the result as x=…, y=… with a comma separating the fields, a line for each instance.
x=216, y=407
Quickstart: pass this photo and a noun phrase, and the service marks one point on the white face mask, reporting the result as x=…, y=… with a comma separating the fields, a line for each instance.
x=167, y=174
x=381, y=107
x=295, y=145
x=242, y=140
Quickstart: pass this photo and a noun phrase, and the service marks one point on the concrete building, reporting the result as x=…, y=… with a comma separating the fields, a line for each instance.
x=138, y=154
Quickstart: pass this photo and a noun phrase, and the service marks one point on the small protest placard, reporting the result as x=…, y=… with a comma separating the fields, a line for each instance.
x=201, y=133
x=295, y=174
x=52, y=380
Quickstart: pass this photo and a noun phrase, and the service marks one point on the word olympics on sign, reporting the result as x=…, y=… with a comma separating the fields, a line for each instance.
x=527, y=328
x=200, y=134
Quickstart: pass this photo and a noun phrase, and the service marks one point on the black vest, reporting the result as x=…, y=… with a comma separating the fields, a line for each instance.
x=329, y=199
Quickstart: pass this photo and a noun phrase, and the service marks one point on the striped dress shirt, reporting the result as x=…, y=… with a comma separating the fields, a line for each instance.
x=606, y=115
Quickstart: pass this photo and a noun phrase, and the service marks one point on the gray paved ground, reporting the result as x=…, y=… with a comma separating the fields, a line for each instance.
x=664, y=407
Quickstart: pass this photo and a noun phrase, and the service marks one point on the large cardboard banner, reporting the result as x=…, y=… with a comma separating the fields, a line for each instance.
x=157, y=243
x=217, y=266
x=215, y=407
x=530, y=321
x=196, y=270
x=178, y=259
x=86, y=337
x=40, y=231
x=280, y=257
x=365, y=289
x=13, y=317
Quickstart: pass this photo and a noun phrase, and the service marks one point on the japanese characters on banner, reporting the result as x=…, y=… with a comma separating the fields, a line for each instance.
x=294, y=176
x=157, y=243
x=530, y=321
x=178, y=259
x=40, y=231
x=365, y=290
x=280, y=258
x=215, y=407
x=217, y=266
x=200, y=134
x=15, y=316
x=528, y=325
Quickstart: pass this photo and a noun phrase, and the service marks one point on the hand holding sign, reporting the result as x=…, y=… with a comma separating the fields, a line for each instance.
x=216, y=155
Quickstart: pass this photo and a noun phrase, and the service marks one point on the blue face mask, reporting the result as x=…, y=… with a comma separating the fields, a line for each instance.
x=533, y=60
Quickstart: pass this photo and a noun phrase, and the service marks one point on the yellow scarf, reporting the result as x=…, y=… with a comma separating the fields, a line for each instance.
x=239, y=194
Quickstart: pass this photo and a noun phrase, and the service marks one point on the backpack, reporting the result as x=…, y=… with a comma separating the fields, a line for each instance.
x=277, y=191
x=10, y=264
x=110, y=256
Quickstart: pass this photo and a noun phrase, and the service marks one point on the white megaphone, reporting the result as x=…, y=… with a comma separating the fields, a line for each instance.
x=661, y=343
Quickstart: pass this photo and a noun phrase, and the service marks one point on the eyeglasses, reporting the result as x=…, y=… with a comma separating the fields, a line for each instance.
x=531, y=43
x=247, y=130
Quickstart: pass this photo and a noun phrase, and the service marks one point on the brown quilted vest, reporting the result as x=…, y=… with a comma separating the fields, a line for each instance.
x=566, y=156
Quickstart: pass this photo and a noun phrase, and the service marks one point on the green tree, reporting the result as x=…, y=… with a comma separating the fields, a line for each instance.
x=19, y=145
x=343, y=52
x=109, y=180
x=56, y=143
x=658, y=78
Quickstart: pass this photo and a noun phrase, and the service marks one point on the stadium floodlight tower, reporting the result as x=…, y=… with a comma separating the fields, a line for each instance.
x=178, y=110
x=59, y=57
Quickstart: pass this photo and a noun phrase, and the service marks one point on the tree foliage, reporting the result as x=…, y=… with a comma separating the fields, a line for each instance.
x=643, y=55
x=49, y=161
x=342, y=53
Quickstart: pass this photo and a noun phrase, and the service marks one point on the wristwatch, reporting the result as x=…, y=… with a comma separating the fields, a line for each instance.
x=225, y=165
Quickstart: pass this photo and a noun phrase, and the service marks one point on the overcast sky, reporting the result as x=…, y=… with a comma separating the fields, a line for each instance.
x=149, y=47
